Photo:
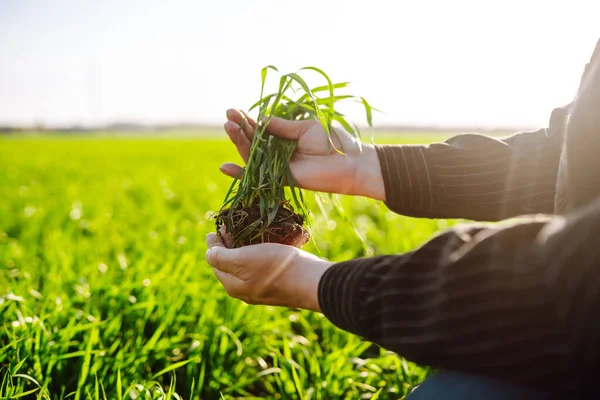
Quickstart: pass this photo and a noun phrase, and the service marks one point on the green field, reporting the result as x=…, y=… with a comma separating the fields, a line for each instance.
x=105, y=294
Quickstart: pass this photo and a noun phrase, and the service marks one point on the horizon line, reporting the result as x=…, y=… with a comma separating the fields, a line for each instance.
x=137, y=126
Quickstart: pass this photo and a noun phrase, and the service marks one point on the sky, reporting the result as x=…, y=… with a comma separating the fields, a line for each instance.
x=461, y=62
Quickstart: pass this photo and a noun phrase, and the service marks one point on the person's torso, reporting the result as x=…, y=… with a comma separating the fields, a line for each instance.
x=577, y=126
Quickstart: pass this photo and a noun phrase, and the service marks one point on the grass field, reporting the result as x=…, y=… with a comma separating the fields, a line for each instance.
x=105, y=294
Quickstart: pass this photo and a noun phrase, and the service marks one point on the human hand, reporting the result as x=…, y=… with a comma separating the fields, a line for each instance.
x=314, y=165
x=267, y=273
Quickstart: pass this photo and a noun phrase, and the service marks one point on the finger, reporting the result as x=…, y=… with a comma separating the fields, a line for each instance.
x=224, y=259
x=249, y=125
x=212, y=240
x=242, y=120
x=233, y=286
x=231, y=260
x=232, y=170
x=288, y=129
x=238, y=137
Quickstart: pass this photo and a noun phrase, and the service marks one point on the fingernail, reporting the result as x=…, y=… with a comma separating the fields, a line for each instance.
x=229, y=113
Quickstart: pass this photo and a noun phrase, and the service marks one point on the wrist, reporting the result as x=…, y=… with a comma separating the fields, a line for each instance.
x=306, y=284
x=368, y=181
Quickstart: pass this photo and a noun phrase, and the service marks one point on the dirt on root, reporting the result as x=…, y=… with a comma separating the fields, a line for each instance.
x=287, y=227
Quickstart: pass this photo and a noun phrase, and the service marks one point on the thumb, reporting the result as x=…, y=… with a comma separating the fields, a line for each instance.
x=287, y=129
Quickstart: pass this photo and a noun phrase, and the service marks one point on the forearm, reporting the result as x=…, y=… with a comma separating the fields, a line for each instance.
x=495, y=301
x=472, y=176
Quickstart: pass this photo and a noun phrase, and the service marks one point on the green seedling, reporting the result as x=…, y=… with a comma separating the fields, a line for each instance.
x=264, y=202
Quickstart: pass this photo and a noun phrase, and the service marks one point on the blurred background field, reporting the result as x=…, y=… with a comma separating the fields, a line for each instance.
x=109, y=179
x=104, y=291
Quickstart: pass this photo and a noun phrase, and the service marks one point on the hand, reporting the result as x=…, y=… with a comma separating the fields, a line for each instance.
x=314, y=166
x=268, y=273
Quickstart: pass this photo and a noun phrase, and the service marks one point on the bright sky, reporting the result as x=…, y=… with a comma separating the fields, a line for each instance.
x=432, y=62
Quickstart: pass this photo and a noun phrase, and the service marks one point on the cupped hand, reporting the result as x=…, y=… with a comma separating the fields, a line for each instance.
x=268, y=273
x=315, y=165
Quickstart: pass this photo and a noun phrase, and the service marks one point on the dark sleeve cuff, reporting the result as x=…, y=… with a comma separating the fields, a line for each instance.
x=338, y=297
x=406, y=178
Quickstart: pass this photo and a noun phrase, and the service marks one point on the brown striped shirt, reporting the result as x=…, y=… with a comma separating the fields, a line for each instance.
x=518, y=302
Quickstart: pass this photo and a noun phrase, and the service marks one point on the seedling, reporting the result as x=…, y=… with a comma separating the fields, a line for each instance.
x=264, y=202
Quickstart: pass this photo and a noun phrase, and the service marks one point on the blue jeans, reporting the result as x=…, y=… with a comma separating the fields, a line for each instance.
x=456, y=386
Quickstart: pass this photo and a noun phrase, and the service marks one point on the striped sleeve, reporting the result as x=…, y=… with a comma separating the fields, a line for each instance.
x=475, y=176
x=518, y=302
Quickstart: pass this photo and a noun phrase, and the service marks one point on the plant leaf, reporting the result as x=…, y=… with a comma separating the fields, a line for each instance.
x=170, y=368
